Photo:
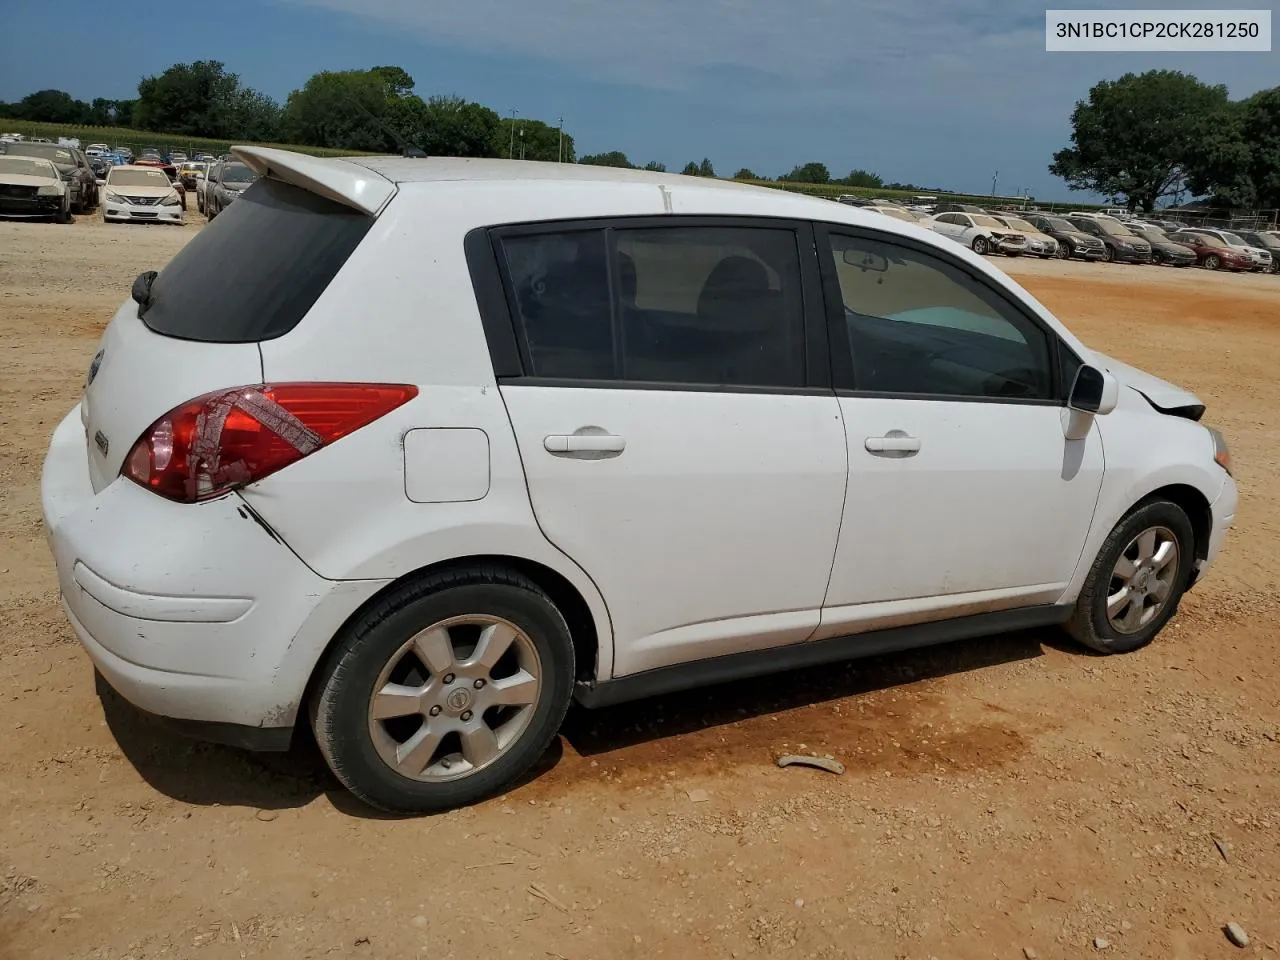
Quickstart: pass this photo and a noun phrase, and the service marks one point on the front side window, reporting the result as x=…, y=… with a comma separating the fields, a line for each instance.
x=704, y=305
x=918, y=325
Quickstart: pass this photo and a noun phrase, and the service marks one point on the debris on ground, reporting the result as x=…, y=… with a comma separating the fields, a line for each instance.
x=820, y=763
x=1235, y=933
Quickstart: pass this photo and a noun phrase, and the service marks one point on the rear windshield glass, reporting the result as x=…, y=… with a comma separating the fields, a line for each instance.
x=256, y=270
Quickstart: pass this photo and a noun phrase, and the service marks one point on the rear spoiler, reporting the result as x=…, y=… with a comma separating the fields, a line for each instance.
x=343, y=182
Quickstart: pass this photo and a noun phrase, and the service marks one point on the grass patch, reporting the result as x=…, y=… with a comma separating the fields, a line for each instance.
x=137, y=139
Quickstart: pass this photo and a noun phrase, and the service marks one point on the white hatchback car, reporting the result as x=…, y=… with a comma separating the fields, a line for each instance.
x=418, y=450
x=140, y=193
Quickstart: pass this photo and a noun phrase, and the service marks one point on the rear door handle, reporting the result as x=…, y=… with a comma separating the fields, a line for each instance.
x=584, y=444
x=892, y=444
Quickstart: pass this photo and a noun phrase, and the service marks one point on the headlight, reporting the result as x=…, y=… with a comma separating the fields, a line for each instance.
x=49, y=190
x=171, y=200
x=1221, y=455
x=114, y=197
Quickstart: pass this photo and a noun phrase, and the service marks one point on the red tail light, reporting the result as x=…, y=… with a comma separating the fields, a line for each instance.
x=227, y=439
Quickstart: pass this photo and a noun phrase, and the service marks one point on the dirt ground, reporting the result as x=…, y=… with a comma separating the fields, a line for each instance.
x=1005, y=797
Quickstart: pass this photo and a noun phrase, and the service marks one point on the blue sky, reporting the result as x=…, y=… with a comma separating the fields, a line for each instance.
x=937, y=92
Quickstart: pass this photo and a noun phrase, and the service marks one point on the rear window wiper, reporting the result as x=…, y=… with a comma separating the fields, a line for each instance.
x=142, y=290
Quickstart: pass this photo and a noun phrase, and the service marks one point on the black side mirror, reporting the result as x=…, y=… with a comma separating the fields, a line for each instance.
x=1086, y=392
x=141, y=292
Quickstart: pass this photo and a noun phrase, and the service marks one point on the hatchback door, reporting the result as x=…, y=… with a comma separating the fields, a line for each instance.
x=677, y=428
x=964, y=494
x=242, y=279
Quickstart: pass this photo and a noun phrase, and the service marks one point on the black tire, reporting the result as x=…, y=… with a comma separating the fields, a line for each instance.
x=1064, y=251
x=64, y=216
x=1110, y=254
x=340, y=708
x=980, y=246
x=1212, y=262
x=1089, y=624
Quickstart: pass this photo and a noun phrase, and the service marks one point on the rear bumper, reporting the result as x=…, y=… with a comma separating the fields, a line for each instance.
x=195, y=612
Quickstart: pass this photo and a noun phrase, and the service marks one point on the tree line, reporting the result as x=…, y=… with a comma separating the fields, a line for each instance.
x=1149, y=136
x=375, y=110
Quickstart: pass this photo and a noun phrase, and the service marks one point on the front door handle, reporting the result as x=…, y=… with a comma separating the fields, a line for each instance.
x=584, y=445
x=893, y=442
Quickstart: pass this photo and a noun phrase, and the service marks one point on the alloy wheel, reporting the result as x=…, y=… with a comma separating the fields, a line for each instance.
x=454, y=698
x=1142, y=580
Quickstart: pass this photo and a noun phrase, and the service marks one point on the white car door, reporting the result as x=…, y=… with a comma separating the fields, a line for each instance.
x=949, y=225
x=678, y=431
x=964, y=494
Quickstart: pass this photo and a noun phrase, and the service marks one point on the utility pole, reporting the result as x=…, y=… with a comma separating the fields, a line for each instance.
x=522, y=143
x=560, y=146
x=994, y=177
x=511, y=149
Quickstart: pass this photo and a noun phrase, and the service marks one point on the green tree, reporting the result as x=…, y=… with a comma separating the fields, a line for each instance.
x=1132, y=137
x=863, y=178
x=51, y=106
x=614, y=158
x=351, y=110
x=808, y=173
x=656, y=167
x=533, y=140
x=690, y=169
x=454, y=127
x=1237, y=158
x=199, y=99
x=705, y=169
x=746, y=173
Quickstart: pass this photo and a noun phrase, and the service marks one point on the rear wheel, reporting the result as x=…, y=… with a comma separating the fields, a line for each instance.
x=1212, y=262
x=1136, y=581
x=981, y=246
x=447, y=691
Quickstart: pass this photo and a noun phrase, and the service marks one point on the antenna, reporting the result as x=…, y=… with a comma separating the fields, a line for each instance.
x=407, y=149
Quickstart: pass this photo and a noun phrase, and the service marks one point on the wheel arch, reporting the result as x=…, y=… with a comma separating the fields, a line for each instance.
x=567, y=598
x=1194, y=504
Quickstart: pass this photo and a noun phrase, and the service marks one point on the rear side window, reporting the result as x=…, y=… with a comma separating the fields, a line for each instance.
x=255, y=271
x=704, y=305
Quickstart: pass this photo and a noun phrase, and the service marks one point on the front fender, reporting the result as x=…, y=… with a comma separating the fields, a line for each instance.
x=1144, y=451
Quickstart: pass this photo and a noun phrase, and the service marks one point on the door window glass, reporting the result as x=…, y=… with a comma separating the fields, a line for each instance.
x=918, y=325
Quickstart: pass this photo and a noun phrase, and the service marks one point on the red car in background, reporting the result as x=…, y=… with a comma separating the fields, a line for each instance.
x=170, y=171
x=1213, y=254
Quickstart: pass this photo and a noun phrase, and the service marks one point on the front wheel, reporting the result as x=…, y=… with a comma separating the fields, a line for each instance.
x=1064, y=252
x=1110, y=255
x=1137, y=580
x=1211, y=262
x=981, y=246
x=445, y=692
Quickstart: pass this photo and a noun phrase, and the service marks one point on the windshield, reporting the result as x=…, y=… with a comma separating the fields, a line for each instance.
x=59, y=155
x=984, y=221
x=1234, y=239
x=1063, y=225
x=1114, y=228
x=1151, y=233
x=27, y=167
x=896, y=213
x=237, y=174
x=1020, y=224
x=120, y=177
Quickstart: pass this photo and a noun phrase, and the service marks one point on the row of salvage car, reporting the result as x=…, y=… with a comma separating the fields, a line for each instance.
x=1089, y=235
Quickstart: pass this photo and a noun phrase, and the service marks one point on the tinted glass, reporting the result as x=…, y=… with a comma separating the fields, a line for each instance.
x=137, y=178
x=918, y=325
x=715, y=306
x=254, y=272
